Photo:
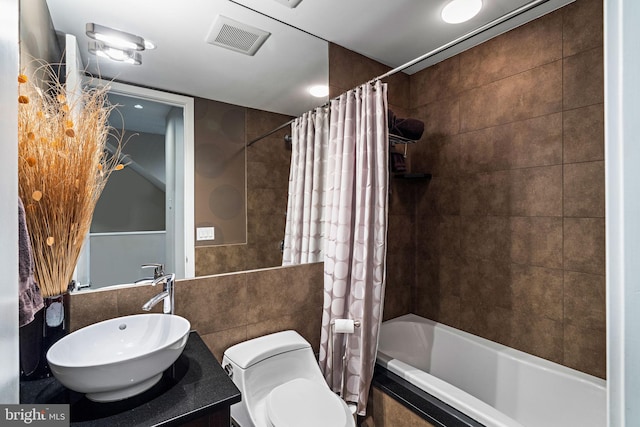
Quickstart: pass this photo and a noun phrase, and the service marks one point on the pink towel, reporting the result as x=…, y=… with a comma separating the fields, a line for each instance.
x=29, y=298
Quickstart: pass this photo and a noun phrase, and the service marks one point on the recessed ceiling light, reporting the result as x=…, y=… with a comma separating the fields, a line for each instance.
x=319, y=91
x=457, y=11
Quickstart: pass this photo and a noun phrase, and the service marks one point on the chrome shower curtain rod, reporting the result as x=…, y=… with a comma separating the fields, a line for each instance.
x=282, y=126
x=507, y=16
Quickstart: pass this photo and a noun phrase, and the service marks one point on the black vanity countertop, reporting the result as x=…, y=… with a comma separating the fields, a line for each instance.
x=193, y=387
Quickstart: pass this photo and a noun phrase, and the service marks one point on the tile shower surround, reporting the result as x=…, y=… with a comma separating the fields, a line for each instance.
x=506, y=241
x=510, y=230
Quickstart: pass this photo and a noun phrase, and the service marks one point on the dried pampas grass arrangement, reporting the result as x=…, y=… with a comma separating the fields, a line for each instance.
x=63, y=167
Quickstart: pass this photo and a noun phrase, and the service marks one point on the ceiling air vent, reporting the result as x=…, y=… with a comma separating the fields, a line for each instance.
x=234, y=35
x=289, y=3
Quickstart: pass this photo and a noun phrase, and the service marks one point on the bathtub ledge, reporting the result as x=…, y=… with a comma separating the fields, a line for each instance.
x=420, y=402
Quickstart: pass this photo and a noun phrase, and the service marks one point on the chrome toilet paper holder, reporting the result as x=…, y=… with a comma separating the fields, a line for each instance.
x=332, y=323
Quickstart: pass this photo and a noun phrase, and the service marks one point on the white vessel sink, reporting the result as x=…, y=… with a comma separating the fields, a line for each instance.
x=118, y=358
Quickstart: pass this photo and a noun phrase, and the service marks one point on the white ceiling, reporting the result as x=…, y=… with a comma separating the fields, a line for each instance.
x=276, y=78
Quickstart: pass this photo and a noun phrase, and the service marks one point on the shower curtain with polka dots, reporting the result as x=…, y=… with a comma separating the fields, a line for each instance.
x=355, y=212
x=304, y=227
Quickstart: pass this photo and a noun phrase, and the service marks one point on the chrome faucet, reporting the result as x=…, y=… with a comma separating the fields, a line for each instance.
x=166, y=294
x=168, y=290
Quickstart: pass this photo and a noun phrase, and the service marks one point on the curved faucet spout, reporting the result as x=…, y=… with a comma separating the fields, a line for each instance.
x=156, y=299
x=167, y=294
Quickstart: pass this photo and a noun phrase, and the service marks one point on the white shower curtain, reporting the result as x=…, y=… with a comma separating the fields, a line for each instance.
x=303, y=239
x=355, y=245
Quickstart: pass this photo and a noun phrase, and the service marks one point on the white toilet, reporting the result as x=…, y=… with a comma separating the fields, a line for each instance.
x=281, y=385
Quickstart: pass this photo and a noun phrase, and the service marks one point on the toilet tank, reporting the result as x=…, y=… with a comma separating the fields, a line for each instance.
x=259, y=365
x=248, y=353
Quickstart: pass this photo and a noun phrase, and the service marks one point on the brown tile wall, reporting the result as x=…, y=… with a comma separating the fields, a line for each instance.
x=225, y=309
x=510, y=230
x=219, y=175
x=348, y=70
x=384, y=411
x=267, y=174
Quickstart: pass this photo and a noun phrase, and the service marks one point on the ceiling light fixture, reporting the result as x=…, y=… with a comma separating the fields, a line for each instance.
x=115, y=54
x=114, y=38
x=138, y=106
x=457, y=11
x=319, y=91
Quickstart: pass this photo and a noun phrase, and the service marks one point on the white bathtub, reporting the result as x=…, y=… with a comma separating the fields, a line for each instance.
x=496, y=385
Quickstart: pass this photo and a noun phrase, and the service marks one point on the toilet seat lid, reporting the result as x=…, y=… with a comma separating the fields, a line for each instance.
x=304, y=401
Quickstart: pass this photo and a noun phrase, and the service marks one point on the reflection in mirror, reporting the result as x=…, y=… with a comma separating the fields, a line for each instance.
x=236, y=97
x=128, y=227
x=267, y=172
x=220, y=191
x=144, y=211
x=187, y=60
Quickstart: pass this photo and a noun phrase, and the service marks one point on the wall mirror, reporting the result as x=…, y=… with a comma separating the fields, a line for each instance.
x=293, y=57
x=274, y=79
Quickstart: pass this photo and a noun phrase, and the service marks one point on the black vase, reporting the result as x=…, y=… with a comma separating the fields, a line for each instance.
x=49, y=325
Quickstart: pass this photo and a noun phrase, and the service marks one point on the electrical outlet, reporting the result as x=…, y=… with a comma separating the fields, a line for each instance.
x=205, y=233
